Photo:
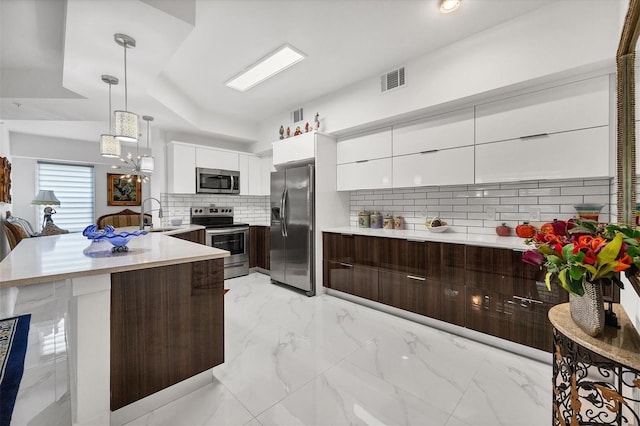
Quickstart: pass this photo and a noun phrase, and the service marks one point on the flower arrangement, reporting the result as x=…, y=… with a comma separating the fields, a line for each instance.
x=578, y=251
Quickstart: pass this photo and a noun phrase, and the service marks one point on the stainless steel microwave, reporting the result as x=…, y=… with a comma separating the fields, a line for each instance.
x=216, y=181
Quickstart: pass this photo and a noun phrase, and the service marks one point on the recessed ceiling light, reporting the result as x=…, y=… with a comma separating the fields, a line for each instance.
x=275, y=62
x=448, y=6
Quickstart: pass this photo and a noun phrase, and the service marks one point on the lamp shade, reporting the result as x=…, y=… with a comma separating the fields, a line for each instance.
x=109, y=146
x=46, y=197
x=126, y=126
x=147, y=164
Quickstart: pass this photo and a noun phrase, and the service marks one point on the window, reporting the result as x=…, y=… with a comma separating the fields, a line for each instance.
x=74, y=187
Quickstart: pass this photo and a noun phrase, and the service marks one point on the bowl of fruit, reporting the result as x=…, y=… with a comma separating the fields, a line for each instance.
x=436, y=225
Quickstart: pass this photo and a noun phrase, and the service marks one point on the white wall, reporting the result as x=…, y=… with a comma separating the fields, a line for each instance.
x=552, y=42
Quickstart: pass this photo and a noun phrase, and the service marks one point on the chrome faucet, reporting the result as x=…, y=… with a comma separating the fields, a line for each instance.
x=142, y=210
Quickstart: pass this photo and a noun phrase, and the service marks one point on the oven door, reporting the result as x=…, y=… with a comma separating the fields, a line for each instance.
x=236, y=242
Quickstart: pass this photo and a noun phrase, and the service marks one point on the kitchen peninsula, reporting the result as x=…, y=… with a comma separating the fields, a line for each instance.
x=138, y=323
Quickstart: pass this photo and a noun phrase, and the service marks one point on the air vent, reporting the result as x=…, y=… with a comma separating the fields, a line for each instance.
x=297, y=115
x=392, y=80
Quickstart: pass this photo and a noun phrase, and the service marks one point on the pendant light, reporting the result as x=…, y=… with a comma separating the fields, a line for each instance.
x=147, y=163
x=126, y=122
x=109, y=145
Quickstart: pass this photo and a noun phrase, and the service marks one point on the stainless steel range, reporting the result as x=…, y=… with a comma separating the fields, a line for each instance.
x=224, y=234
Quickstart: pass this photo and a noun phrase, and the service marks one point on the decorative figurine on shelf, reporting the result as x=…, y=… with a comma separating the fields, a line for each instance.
x=281, y=131
x=298, y=131
x=288, y=132
x=306, y=127
x=316, y=122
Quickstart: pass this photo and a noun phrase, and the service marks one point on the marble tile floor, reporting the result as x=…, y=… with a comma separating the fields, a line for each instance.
x=291, y=359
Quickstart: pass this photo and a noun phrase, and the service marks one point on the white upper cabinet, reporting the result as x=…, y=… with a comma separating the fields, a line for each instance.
x=266, y=167
x=438, y=167
x=216, y=159
x=566, y=155
x=365, y=174
x=369, y=146
x=573, y=106
x=450, y=130
x=181, y=173
x=294, y=149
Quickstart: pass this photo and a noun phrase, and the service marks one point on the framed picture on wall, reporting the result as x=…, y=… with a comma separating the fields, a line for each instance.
x=121, y=192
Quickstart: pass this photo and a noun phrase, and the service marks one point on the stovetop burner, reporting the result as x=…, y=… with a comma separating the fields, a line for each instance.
x=214, y=217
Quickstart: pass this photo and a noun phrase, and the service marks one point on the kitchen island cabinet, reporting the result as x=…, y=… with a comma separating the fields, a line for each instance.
x=138, y=322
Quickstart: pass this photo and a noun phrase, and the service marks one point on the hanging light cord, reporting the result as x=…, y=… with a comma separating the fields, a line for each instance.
x=126, y=106
x=149, y=152
x=110, y=107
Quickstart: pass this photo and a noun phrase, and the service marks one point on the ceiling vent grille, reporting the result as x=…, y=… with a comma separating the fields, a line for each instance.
x=297, y=115
x=392, y=80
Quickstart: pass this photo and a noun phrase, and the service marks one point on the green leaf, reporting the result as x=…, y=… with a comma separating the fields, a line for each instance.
x=576, y=272
x=610, y=251
x=576, y=287
x=547, y=280
x=590, y=268
x=567, y=251
x=554, y=260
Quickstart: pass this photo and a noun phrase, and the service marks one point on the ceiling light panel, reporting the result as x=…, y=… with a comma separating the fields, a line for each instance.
x=277, y=61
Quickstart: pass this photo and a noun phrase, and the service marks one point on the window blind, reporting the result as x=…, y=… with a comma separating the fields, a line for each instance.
x=74, y=187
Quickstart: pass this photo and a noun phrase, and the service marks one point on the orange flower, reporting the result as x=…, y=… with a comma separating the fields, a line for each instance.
x=598, y=242
x=621, y=266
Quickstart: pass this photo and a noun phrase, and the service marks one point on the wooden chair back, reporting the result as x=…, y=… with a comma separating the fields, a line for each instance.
x=121, y=219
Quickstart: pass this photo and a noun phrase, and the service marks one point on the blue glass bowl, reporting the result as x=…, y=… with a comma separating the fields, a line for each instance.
x=108, y=234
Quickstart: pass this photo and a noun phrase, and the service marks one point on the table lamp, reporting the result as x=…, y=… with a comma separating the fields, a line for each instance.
x=46, y=198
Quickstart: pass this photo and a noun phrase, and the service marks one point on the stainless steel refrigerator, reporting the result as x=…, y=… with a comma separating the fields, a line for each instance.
x=292, y=219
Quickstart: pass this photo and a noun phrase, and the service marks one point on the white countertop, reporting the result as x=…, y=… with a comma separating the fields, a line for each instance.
x=513, y=243
x=58, y=257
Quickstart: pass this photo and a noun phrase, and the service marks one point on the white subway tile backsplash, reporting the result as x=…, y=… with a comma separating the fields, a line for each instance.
x=585, y=190
x=560, y=200
x=519, y=200
x=445, y=194
x=524, y=192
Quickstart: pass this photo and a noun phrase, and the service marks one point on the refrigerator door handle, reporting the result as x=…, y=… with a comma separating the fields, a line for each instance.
x=282, y=213
x=285, y=219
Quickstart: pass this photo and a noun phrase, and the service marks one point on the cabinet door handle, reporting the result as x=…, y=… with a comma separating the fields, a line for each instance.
x=537, y=135
x=526, y=299
x=348, y=265
x=362, y=161
x=413, y=277
x=347, y=235
x=429, y=151
x=416, y=241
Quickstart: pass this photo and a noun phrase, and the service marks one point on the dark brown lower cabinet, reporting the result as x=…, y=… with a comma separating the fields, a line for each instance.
x=259, y=247
x=488, y=312
x=489, y=290
x=167, y=324
x=358, y=280
x=196, y=236
x=411, y=293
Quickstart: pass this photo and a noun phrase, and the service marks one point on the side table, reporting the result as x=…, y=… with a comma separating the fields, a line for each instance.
x=596, y=380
